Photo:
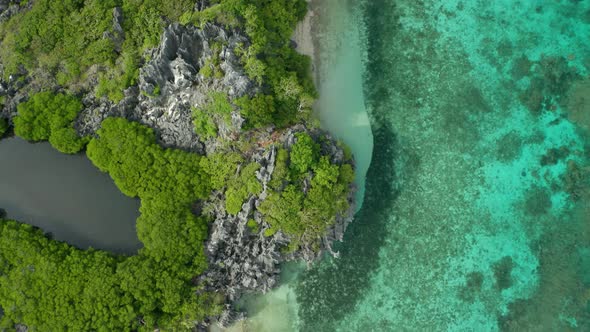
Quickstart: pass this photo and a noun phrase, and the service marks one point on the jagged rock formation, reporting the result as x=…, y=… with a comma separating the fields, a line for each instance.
x=170, y=86
x=12, y=95
x=9, y=8
x=242, y=260
x=174, y=70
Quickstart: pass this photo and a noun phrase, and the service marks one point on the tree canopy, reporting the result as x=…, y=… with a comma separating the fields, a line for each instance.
x=70, y=289
x=49, y=116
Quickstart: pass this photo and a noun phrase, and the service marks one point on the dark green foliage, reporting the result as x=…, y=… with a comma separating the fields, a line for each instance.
x=58, y=287
x=48, y=116
x=269, y=60
x=219, y=104
x=143, y=22
x=258, y=111
x=253, y=225
x=346, y=174
x=325, y=200
x=66, y=140
x=221, y=167
x=212, y=67
x=167, y=181
x=281, y=172
x=50, y=286
x=205, y=127
x=283, y=210
x=206, y=70
x=62, y=37
x=3, y=126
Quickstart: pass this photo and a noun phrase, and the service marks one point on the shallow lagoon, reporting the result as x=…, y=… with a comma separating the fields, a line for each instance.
x=66, y=196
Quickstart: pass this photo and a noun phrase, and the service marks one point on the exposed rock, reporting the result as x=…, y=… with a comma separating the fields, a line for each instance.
x=8, y=8
x=96, y=110
x=12, y=93
x=170, y=85
x=118, y=34
x=242, y=260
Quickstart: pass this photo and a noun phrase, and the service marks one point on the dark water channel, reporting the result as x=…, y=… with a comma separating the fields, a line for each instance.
x=67, y=196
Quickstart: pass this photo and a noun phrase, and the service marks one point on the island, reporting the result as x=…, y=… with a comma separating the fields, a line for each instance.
x=201, y=109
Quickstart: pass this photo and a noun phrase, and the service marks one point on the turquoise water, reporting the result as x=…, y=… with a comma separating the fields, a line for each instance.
x=476, y=213
x=341, y=105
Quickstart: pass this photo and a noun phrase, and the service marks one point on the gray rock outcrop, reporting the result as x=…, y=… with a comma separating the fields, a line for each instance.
x=170, y=85
x=8, y=8
x=242, y=259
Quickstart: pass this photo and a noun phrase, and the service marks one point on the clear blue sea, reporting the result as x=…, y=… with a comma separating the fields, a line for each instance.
x=475, y=117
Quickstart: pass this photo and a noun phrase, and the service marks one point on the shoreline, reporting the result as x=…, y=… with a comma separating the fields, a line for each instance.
x=280, y=302
x=305, y=37
x=343, y=118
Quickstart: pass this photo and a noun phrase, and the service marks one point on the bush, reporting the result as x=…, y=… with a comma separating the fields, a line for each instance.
x=304, y=153
x=218, y=109
x=240, y=187
x=305, y=217
x=167, y=181
x=48, y=116
x=253, y=225
x=258, y=111
x=205, y=127
x=66, y=140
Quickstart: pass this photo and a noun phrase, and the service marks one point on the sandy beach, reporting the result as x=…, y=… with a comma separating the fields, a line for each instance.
x=305, y=40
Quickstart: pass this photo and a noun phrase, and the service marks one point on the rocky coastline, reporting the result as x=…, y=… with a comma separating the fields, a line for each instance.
x=241, y=259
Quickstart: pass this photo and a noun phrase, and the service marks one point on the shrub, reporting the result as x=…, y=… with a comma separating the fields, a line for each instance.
x=48, y=116
x=304, y=153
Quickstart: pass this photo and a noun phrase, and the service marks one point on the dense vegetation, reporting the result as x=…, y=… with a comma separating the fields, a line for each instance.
x=48, y=116
x=43, y=283
x=217, y=110
x=67, y=38
x=51, y=286
x=55, y=287
x=305, y=215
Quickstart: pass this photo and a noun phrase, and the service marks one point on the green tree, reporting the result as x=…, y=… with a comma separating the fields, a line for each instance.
x=258, y=111
x=241, y=186
x=48, y=116
x=304, y=153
